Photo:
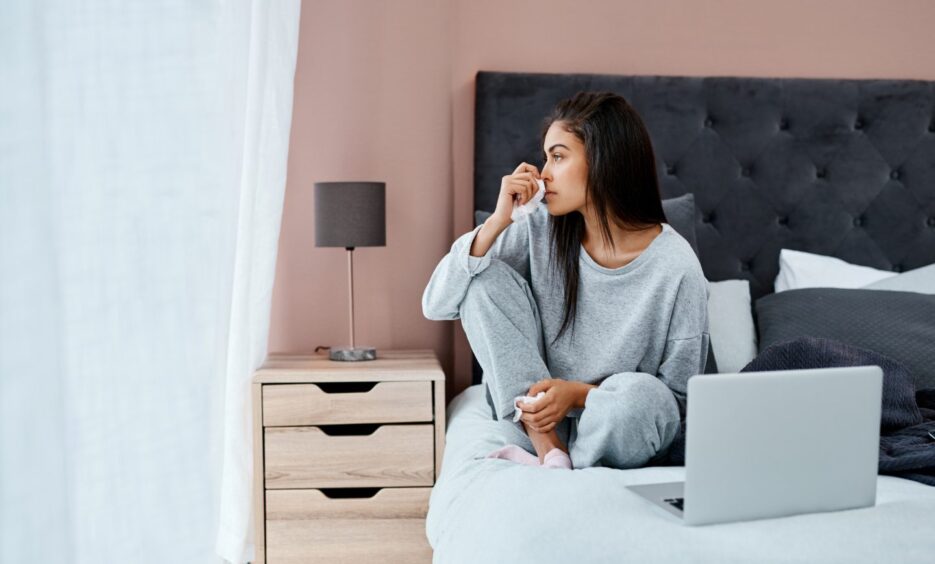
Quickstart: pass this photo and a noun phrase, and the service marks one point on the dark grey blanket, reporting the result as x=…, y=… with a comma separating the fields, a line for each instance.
x=907, y=421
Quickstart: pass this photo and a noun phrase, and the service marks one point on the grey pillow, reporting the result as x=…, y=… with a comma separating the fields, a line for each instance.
x=680, y=213
x=895, y=324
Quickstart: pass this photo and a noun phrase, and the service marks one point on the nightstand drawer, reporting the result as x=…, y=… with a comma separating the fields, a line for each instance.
x=308, y=457
x=307, y=526
x=353, y=402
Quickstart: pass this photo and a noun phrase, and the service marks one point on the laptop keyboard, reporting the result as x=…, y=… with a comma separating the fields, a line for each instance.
x=676, y=502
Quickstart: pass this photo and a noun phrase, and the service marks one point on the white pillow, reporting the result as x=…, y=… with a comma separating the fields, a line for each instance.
x=730, y=324
x=807, y=270
x=921, y=280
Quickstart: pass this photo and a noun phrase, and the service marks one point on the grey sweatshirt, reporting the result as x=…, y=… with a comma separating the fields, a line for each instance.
x=648, y=316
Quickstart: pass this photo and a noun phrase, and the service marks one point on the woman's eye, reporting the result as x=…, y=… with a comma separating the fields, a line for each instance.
x=556, y=157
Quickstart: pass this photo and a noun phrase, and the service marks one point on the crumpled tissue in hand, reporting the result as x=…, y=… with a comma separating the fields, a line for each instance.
x=526, y=399
x=520, y=213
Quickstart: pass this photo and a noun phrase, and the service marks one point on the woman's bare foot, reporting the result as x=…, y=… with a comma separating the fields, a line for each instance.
x=544, y=442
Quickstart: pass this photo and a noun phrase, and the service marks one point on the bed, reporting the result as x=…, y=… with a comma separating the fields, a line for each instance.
x=487, y=510
x=843, y=168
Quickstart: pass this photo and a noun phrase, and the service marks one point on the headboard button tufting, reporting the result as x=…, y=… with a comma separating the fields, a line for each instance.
x=894, y=174
x=897, y=268
x=771, y=163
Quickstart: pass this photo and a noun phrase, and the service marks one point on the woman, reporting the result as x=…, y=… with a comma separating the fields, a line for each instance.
x=597, y=256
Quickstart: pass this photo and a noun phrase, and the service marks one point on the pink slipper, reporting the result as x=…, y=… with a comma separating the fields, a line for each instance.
x=556, y=458
x=515, y=453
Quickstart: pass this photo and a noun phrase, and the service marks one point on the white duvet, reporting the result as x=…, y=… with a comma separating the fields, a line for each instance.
x=490, y=510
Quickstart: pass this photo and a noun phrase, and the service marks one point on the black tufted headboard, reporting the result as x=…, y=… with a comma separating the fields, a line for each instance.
x=837, y=167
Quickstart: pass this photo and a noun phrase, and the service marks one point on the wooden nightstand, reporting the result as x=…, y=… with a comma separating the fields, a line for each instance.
x=345, y=456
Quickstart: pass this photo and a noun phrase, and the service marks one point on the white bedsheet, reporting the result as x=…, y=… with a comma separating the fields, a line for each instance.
x=489, y=510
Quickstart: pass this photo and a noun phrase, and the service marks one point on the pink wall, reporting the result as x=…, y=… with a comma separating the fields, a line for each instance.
x=385, y=91
x=371, y=103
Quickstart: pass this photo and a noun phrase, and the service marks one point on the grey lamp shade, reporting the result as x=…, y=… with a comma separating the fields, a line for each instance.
x=350, y=214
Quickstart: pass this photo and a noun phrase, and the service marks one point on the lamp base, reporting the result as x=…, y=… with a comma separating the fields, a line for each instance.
x=353, y=355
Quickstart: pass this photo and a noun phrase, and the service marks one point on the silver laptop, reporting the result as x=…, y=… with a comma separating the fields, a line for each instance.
x=771, y=444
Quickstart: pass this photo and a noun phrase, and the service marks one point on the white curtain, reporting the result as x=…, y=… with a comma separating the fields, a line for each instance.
x=143, y=154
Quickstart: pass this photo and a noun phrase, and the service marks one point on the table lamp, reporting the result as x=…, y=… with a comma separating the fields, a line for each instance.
x=349, y=215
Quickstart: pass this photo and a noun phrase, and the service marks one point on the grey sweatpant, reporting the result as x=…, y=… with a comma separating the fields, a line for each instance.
x=629, y=420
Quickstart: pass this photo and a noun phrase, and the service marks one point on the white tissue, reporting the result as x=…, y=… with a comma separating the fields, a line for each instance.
x=526, y=399
x=521, y=212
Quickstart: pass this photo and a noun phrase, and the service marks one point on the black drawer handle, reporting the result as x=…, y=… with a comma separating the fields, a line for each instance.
x=344, y=493
x=341, y=430
x=346, y=387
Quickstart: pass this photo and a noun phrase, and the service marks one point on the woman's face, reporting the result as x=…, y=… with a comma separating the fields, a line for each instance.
x=565, y=171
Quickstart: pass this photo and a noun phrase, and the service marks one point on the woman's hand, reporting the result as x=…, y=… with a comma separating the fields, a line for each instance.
x=520, y=186
x=561, y=396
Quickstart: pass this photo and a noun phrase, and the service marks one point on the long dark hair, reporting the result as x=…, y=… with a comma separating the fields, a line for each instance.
x=622, y=180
